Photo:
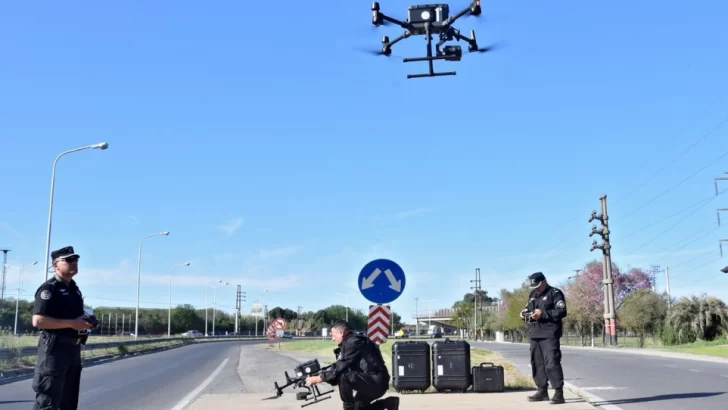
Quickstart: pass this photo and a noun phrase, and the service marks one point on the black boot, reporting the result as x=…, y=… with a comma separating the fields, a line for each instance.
x=391, y=403
x=541, y=395
x=558, y=397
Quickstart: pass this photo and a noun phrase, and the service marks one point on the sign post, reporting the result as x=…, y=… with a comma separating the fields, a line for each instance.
x=381, y=281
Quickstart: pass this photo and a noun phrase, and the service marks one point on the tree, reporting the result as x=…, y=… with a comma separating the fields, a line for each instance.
x=642, y=312
x=704, y=317
x=184, y=318
x=585, y=293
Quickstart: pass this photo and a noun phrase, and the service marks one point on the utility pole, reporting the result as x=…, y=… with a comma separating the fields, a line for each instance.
x=655, y=270
x=417, y=317
x=298, y=321
x=2, y=286
x=610, y=318
x=720, y=244
x=239, y=299
x=475, y=301
x=667, y=286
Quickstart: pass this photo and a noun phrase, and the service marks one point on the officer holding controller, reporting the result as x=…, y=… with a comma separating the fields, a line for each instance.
x=544, y=312
x=59, y=313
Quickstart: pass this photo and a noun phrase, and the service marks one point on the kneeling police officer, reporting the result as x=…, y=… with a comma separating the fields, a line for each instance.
x=359, y=367
x=58, y=311
x=544, y=312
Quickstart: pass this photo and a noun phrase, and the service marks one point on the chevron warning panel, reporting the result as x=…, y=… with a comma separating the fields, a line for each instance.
x=380, y=317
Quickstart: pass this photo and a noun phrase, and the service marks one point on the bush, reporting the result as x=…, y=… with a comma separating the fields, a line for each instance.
x=670, y=337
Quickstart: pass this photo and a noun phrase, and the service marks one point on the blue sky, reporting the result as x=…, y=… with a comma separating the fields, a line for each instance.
x=285, y=160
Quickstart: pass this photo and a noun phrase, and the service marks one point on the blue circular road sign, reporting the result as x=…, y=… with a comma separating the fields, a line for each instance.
x=381, y=281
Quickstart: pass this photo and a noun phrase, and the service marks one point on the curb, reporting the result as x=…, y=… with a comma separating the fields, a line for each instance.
x=646, y=352
x=590, y=398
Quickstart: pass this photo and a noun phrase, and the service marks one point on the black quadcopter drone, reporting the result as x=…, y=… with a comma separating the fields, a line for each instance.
x=427, y=20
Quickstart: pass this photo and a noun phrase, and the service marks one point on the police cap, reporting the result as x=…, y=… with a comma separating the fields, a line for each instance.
x=535, y=280
x=64, y=253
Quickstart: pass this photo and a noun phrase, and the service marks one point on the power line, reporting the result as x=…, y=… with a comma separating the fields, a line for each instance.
x=676, y=185
x=675, y=159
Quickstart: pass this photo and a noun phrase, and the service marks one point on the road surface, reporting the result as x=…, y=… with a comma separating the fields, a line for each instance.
x=156, y=381
x=633, y=381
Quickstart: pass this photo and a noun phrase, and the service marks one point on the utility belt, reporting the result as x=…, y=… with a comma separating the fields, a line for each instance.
x=56, y=338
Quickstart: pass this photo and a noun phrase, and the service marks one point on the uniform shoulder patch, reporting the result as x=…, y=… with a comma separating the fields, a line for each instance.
x=560, y=304
x=46, y=294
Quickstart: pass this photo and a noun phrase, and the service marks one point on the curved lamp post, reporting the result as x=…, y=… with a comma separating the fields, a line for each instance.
x=139, y=280
x=101, y=146
x=169, y=313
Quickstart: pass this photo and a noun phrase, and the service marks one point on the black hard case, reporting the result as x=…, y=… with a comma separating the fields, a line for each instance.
x=411, y=366
x=488, y=378
x=451, y=366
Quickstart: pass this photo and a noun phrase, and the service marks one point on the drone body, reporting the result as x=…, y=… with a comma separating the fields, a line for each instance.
x=427, y=20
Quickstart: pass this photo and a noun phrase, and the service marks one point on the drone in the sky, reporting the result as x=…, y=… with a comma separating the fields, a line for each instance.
x=427, y=20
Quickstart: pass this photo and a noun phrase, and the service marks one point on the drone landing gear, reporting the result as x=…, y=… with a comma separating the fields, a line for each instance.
x=430, y=59
x=317, y=396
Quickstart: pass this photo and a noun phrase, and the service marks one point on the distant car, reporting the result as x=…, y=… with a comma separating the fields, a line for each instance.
x=437, y=335
x=192, y=333
x=287, y=335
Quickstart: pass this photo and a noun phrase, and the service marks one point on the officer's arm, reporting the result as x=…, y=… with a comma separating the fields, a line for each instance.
x=44, y=307
x=558, y=311
x=350, y=354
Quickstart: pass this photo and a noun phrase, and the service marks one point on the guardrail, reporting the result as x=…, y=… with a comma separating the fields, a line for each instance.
x=14, y=353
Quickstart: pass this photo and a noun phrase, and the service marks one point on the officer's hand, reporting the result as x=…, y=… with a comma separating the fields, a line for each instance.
x=80, y=323
x=523, y=313
x=311, y=380
x=537, y=314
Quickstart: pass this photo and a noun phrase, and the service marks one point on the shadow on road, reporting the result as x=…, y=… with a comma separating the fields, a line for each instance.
x=15, y=401
x=658, y=398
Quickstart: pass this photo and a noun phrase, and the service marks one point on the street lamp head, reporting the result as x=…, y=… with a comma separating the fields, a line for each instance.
x=34, y=263
x=724, y=270
x=164, y=233
x=102, y=145
x=186, y=264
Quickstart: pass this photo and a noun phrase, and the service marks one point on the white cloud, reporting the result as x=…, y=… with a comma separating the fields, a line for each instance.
x=232, y=226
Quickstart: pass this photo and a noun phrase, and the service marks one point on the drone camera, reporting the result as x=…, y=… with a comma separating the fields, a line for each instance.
x=452, y=53
x=428, y=13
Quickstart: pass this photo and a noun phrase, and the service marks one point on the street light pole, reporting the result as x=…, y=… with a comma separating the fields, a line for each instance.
x=139, y=280
x=346, y=301
x=101, y=146
x=17, y=298
x=214, y=304
x=169, y=312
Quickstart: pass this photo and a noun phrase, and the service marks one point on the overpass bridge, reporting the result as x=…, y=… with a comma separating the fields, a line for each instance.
x=444, y=317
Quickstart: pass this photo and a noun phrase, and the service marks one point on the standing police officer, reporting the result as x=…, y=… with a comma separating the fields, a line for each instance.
x=64, y=325
x=544, y=311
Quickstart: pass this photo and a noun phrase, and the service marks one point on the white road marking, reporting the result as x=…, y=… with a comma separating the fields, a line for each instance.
x=696, y=371
x=724, y=375
x=191, y=396
x=603, y=388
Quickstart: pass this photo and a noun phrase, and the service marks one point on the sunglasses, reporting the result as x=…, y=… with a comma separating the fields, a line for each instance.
x=71, y=259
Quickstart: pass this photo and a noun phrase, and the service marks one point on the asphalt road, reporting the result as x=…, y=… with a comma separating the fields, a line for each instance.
x=156, y=381
x=633, y=381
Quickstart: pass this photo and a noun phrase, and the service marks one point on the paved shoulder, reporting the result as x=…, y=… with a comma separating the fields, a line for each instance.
x=259, y=368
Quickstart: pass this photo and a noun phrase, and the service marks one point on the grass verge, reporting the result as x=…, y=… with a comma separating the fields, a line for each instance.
x=324, y=348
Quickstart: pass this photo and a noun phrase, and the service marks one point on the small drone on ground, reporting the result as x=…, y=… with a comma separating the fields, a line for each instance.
x=427, y=20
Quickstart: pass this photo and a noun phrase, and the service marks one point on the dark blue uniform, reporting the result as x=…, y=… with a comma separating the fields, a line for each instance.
x=545, y=334
x=57, y=377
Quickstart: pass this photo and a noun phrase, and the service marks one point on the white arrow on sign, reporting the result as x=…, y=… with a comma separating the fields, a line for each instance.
x=395, y=285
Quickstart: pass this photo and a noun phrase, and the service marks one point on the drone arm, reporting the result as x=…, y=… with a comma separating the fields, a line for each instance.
x=473, y=8
x=394, y=21
x=471, y=41
x=398, y=39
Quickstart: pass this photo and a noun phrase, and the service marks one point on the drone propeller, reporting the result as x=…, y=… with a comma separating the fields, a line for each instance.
x=375, y=52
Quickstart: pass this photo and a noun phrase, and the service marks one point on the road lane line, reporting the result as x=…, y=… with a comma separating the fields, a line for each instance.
x=191, y=396
x=696, y=371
